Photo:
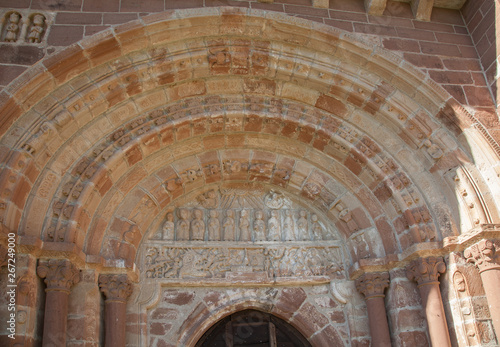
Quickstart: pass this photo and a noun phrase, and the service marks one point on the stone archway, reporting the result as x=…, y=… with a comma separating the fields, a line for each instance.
x=252, y=327
x=103, y=140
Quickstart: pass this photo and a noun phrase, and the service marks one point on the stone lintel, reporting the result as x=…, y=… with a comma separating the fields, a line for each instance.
x=375, y=7
x=422, y=9
x=321, y=3
x=239, y=281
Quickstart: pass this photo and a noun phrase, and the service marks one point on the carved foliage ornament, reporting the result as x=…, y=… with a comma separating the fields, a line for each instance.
x=483, y=255
x=426, y=270
x=115, y=287
x=372, y=285
x=59, y=274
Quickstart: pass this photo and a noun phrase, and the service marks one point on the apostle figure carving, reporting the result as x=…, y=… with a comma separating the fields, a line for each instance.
x=302, y=226
x=198, y=226
x=245, y=227
x=228, y=226
x=183, y=225
x=289, y=227
x=317, y=229
x=214, y=226
x=259, y=227
x=274, y=226
x=168, y=227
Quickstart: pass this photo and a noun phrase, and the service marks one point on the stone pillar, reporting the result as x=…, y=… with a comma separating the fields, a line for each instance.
x=60, y=275
x=425, y=271
x=482, y=254
x=116, y=288
x=372, y=286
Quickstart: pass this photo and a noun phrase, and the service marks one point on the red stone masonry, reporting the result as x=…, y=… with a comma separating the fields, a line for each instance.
x=456, y=47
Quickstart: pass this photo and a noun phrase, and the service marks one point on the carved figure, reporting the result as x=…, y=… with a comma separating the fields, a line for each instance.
x=183, y=225
x=228, y=226
x=259, y=227
x=302, y=226
x=245, y=234
x=168, y=227
x=209, y=199
x=198, y=226
x=317, y=229
x=214, y=226
x=274, y=200
x=274, y=226
x=35, y=35
x=289, y=227
x=12, y=27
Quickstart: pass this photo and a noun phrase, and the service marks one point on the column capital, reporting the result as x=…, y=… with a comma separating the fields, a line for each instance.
x=372, y=284
x=426, y=270
x=115, y=287
x=59, y=274
x=483, y=255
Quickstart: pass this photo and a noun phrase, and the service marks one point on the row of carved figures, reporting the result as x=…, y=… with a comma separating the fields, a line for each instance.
x=241, y=225
x=19, y=29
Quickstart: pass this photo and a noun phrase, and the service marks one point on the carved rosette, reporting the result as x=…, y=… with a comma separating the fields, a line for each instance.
x=372, y=285
x=483, y=255
x=426, y=270
x=59, y=274
x=115, y=287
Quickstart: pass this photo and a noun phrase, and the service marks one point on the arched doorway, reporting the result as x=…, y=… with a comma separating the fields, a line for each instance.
x=252, y=328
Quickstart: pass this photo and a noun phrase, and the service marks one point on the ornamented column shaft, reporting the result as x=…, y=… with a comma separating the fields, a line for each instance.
x=116, y=288
x=60, y=275
x=483, y=255
x=372, y=286
x=426, y=271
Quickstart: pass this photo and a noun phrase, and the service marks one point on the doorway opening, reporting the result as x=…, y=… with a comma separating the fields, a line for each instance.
x=252, y=328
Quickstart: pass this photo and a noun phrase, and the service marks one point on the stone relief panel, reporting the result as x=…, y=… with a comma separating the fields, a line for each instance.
x=171, y=262
x=242, y=215
x=24, y=27
x=226, y=232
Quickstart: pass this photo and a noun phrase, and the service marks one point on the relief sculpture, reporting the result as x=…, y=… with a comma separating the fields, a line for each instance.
x=214, y=262
x=240, y=216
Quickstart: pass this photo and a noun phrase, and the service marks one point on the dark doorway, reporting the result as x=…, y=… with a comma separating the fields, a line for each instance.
x=251, y=328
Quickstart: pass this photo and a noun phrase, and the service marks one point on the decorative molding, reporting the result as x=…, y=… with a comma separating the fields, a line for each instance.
x=115, y=287
x=59, y=274
x=483, y=255
x=426, y=270
x=373, y=284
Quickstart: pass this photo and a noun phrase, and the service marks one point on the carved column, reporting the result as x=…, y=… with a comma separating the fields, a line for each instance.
x=372, y=286
x=425, y=271
x=483, y=255
x=60, y=275
x=116, y=288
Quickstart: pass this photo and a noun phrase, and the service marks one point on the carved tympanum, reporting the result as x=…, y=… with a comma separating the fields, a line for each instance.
x=115, y=287
x=59, y=274
x=373, y=284
x=483, y=255
x=426, y=270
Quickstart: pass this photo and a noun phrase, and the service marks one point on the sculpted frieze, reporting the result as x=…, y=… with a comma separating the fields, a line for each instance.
x=182, y=262
x=239, y=215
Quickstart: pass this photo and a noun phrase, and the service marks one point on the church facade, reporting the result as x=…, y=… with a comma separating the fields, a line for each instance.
x=229, y=173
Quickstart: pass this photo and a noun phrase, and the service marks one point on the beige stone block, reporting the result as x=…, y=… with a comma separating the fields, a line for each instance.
x=298, y=93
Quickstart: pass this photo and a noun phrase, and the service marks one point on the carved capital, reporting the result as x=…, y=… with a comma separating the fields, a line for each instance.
x=115, y=287
x=372, y=285
x=483, y=255
x=59, y=274
x=426, y=270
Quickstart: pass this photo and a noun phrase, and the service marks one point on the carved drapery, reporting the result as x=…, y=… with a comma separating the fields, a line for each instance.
x=426, y=271
x=372, y=286
x=59, y=276
x=483, y=255
x=116, y=288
